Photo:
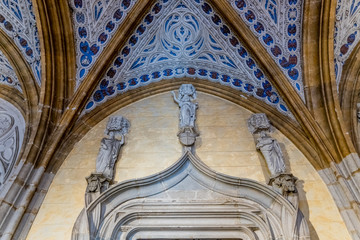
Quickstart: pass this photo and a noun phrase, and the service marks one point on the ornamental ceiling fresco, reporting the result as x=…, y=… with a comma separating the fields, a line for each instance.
x=276, y=23
x=65, y=65
x=95, y=22
x=185, y=39
x=17, y=20
x=7, y=73
x=346, y=35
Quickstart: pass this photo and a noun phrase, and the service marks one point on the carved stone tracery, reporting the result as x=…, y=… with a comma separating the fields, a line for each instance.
x=185, y=38
x=11, y=136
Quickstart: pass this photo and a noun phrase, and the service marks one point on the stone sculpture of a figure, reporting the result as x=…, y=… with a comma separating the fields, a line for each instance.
x=269, y=147
x=110, y=147
x=271, y=151
x=187, y=94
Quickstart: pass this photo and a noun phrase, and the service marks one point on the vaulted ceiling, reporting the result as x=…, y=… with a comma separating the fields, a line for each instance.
x=68, y=64
x=107, y=48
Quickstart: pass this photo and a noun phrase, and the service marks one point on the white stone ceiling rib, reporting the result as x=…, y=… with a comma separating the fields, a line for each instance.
x=185, y=39
x=17, y=19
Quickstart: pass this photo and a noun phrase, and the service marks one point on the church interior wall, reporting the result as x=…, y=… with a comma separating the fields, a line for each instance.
x=225, y=145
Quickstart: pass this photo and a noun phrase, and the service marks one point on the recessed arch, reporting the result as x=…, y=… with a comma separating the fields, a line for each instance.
x=286, y=125
x=156, y=207
x=131, y=110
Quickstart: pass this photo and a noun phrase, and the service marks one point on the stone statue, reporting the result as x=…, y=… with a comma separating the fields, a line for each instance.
x=110, y=147
x=271, y=151
x=188, y=133
x=187, y=94
x=269, y=147
x=258, y=122
x=108, y=154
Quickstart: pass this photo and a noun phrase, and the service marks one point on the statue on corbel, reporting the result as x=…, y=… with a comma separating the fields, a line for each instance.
x=108, y=154
x=187, y=129
x=281, y=180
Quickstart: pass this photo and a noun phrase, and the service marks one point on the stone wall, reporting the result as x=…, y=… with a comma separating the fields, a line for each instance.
x=225, y=145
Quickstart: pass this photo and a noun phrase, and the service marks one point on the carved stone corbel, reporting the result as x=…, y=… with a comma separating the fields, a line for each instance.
x=97, y=183
x=285, y=184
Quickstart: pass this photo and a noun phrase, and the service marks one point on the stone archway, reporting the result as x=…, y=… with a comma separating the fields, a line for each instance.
x=187, y=201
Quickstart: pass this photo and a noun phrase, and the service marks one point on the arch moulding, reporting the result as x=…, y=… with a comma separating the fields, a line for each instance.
x=159, y=206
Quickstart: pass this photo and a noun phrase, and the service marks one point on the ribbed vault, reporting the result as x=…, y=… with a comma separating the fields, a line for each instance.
x=277, y=57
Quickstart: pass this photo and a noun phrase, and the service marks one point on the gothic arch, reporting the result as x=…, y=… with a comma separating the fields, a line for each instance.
x=153, y=207
x=287, y=126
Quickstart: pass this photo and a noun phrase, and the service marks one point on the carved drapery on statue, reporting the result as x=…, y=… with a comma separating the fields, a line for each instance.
x=108, y=154
x=281, y=181
x=187, y=94
x=271, y=151
x=110, y=147
x=269, y=147
x=187, y=133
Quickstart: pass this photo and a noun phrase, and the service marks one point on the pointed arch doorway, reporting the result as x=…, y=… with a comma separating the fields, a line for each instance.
x=190, y=201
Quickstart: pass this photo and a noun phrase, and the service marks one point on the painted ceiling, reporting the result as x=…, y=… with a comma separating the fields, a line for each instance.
x=180, y=38
x=95, y=22
x=185, y=39
x=7, y=73
x=346, y=35
x=17, y=20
